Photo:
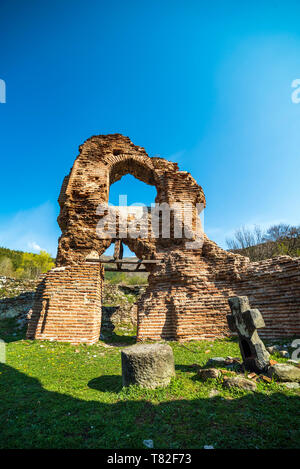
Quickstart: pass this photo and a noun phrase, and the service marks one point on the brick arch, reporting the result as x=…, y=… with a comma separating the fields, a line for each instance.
x=144, y=172
x=103, y=160
x=138, y=167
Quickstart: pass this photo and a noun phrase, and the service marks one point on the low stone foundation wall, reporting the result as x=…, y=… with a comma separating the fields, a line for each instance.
x=113, y=316
x=16, y=298
x=119, y=306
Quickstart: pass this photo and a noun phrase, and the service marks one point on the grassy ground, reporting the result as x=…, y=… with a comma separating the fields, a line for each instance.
x=62, y=396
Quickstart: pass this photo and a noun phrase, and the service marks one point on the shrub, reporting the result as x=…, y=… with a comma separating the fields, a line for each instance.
x=24, y=265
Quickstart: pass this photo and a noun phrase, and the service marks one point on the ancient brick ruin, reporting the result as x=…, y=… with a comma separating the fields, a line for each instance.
x=187, y=296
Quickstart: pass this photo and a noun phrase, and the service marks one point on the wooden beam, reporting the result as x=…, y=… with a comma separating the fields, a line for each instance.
x=122, y=261
x=118, y=252
x=110, y=269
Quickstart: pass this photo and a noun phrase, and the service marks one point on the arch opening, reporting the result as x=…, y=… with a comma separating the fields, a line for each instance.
x=124, y=283
x=130, y=191
x=134, y=167
x=121, y=292
x=136, y=191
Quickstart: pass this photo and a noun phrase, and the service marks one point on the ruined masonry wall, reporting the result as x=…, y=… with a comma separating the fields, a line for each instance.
x=273, y=286
x=187, y=296
x=197, y=310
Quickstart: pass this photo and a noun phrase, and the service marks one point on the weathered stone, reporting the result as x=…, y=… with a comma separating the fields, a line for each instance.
x=284, y=353
x=217, y=361
x=148, y=365
x=16, y=298
x=245, y=321
x=291, y=385
x=13, y=307
x=122, y=309
x=208, y=373
x=112, y=316
x=241, y=383
x=284, y=372
x=265, y=378
x=233, y=359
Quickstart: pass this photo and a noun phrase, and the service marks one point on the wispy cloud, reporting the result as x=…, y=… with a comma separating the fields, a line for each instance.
x=177, y=157
x=31, y=230
x=34, y=246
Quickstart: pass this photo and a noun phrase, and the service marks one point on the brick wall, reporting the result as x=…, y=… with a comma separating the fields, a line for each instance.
x=190, y=301
x=187, y=299
x=67, y=305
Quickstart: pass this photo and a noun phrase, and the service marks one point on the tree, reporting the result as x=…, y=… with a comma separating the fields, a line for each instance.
x=277, y=232
x=245, y=238
x=6, y=267
x=32, y=265
x=278, y=240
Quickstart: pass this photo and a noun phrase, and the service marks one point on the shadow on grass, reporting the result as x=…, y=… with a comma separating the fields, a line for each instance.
x=9, y=332
x=118, y=340
x=107, y=383
x=32, y=417
x=188, y=368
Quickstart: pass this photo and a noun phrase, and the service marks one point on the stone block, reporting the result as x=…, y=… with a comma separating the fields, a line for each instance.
x=284, y=372
x=147, y=365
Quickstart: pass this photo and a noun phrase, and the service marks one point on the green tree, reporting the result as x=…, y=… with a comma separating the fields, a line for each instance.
x=6, y=267
x=32, y=265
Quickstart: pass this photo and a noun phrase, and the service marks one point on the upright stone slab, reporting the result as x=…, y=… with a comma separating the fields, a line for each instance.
x=147, y=365
x=245, y=322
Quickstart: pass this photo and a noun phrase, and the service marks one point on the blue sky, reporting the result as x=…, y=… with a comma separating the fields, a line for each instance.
x=206, y=84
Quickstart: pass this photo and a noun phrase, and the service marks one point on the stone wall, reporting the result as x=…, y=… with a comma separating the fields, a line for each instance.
x=12, y=287
x=16, y=298
x=119, y=306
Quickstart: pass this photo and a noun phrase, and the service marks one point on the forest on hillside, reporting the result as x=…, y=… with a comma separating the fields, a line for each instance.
x=259, y=244
x=26, y=265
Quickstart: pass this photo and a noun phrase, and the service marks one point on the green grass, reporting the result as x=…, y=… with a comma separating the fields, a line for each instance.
x=123, y=278
x=62, y=396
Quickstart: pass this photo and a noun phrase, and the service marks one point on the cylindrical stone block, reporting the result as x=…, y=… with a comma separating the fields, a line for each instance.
x=147, y=365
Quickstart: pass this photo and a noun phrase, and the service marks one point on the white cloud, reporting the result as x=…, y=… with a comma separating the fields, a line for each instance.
x=30, y=229
x=34, y=246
